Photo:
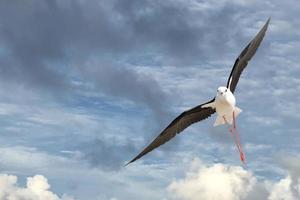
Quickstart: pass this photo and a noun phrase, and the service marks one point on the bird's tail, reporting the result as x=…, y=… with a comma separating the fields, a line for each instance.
x=219, y=121
x=237, y=111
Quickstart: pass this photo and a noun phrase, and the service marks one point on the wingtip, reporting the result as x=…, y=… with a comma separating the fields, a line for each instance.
x=267, y=23
x=265, y=27
x=269, y=19
x=130, y=162
x=127, y=163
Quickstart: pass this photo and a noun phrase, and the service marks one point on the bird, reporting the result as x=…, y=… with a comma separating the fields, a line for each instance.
x=224, y=103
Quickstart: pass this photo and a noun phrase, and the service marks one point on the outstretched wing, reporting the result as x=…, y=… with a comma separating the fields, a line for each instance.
x=184, y=120
x=242, y=61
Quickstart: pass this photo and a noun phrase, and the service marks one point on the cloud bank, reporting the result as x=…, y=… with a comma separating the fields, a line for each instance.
x=221, y=181
x=37, y=188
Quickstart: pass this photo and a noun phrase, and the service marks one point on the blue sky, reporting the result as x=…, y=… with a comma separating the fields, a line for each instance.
x=85, y=85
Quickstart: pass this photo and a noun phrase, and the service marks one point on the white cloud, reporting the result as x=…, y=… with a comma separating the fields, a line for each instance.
x=221, y=181
x=37, y=188
x=216, y=182
x=282, y=190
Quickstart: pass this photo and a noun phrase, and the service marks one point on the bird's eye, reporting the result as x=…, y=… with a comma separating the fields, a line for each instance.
x=226, y=90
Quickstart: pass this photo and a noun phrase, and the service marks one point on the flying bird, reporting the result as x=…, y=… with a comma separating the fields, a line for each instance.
x=224, y=103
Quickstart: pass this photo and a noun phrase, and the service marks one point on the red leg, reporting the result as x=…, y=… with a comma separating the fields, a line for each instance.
x=235, y=136
x=242, y=155
x=231, y=132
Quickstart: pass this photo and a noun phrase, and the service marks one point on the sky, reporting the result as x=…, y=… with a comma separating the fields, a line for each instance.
x=86, y=85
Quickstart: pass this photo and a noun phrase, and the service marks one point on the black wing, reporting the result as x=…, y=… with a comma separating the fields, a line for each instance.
x=184, y=120
x=242, y=61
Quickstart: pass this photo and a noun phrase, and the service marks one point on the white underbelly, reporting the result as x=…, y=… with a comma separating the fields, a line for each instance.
x=224, y=109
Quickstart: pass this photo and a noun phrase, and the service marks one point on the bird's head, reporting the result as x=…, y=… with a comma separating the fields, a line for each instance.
x=222, y=91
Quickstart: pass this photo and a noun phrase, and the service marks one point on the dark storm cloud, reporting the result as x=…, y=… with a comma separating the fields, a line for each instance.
x=41, y=41
x=178, y=32
x=29, y=45
x=40, y=37
x=123, y=82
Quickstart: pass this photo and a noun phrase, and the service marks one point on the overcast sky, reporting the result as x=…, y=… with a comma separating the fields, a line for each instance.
x=85, y=85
